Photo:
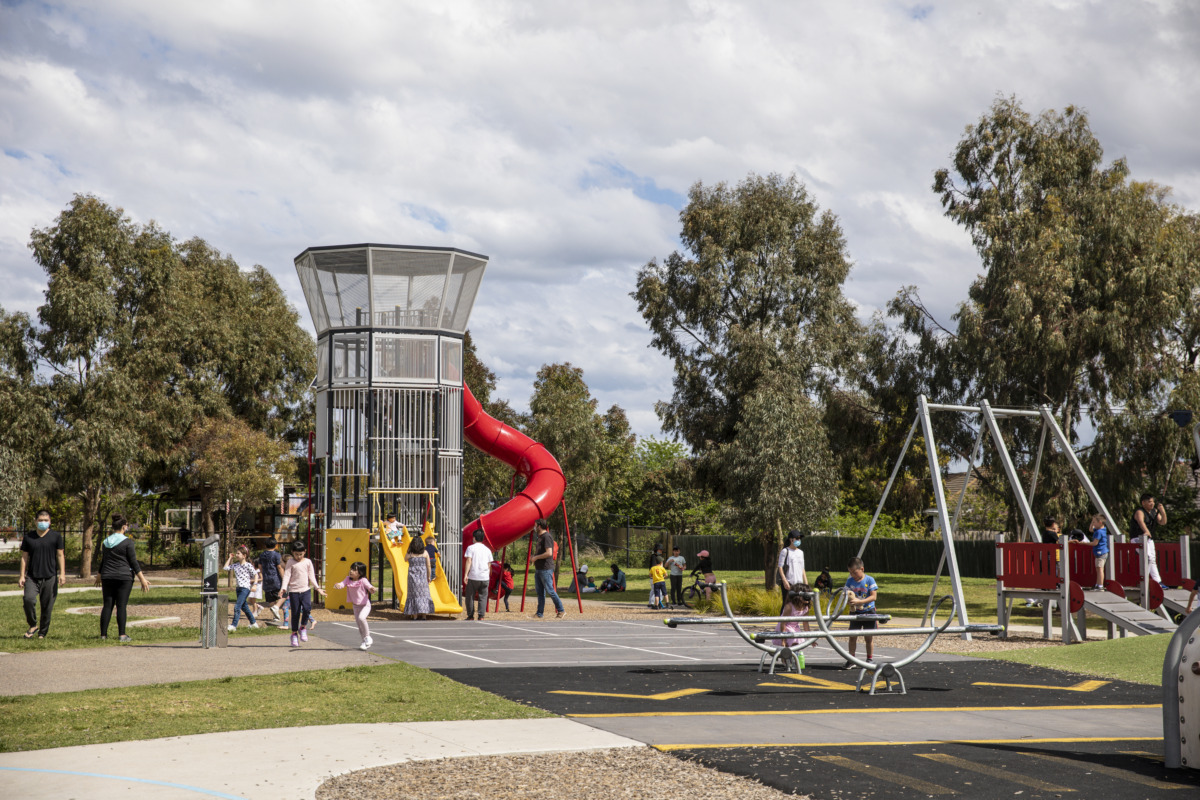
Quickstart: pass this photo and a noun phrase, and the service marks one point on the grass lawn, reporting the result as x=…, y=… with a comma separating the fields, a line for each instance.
x=83, y=630
x=388, y=693
x=1137, y=658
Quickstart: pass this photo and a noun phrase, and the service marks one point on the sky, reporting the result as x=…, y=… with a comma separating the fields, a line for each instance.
x=560, y=139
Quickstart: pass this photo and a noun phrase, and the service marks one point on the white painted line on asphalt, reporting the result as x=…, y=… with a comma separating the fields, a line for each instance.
x=373, y=631
x=641, y=649
x=515, y=628
x=451, y=652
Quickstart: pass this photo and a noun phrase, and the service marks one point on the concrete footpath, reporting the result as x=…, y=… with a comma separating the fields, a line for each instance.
x=222, y=764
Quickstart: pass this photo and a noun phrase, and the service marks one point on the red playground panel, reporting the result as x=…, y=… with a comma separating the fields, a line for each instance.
x=1083, y=566
x=1127, y=564
x=1029, y=565
x=1170, y=563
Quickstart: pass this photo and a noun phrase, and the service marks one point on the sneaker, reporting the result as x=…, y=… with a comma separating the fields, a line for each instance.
x=295, y=640
x=304, y=634
x=539, y=616
x=1097, y=588
x=125, y=639
x=103, y=638
x=363, y=646
x=367, y=642
x=231, y=628
x=560, y=614
x=481, y=617
x=255, y=625
x=274, y=612
x=312, y=624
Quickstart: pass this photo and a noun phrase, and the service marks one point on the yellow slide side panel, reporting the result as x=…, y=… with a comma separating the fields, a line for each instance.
x=395, y=556
x=343, y=546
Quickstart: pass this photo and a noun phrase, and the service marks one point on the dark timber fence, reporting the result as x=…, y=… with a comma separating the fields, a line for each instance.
x=976, y=559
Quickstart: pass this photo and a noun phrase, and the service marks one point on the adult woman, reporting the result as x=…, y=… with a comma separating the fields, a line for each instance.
x=705, y=568
x=417, y=602
x=118, y=568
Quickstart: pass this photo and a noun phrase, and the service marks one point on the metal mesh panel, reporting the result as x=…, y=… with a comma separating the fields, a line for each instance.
x=349, y=354
x=347, y=453
x=451, y=371
x=404, y=357
x=343, y=278
x=312, y=293
x=322, y=378
x=451, y=419
x=408, y=287
x=461, y=291
x=450, y=522
x=403, y=440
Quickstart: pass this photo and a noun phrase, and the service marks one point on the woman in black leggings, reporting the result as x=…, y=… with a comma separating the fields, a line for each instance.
x=118, y=567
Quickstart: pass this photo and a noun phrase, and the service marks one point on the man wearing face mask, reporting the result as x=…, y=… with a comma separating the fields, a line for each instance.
x=790, y=568
x=40, y=549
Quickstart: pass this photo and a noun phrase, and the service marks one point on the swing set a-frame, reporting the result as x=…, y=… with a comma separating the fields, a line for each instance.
x=947, y=522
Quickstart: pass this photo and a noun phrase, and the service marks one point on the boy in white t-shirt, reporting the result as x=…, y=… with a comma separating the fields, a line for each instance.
x=476, y=563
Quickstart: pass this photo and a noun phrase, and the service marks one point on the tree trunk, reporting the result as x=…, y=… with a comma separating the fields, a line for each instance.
x=206, y=512
x=772, y=542
x=91, y=511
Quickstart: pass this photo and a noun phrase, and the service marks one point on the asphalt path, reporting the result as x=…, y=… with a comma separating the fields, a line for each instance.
x=969, y=727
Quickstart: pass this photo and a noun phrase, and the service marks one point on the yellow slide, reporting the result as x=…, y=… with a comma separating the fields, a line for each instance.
x=444, y=599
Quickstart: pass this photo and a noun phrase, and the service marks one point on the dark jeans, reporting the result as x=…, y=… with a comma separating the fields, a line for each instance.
x=44, y=590
x=476, y=592
x=544, y=579
x=301, y=605
x=676, y=589
x=243, y=594
x=505, y=591
x=116, y=593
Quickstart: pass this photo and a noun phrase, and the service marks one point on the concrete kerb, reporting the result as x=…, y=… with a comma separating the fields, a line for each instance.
x=203, y=765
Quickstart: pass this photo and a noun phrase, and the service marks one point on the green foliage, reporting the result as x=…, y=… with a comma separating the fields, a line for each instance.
x=853, y=521
x=759, y=287
x=1086, y=276
x=563, y=418
x=1137, y=658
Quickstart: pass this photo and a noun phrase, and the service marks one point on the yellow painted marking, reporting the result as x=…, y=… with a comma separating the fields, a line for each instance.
x=660, y=696
x=1065, y=740
x=992, y=772
x=1143, y=754
x=903, y=780
x=842, y=711
x=1119, y=774
x=812, y=680
x=1082, y=686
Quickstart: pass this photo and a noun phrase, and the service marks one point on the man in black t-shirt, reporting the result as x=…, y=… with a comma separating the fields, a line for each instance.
x=42, y=551
x=543, y=565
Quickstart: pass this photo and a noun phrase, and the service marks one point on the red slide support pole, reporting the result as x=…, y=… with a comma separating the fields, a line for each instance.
x=571, y=550
x=525, y=585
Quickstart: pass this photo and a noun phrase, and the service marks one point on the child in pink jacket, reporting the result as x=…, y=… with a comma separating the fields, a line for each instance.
x=358, y=592
x=298, y=576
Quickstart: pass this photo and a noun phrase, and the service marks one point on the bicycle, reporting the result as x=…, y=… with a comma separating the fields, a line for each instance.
x=695, y=591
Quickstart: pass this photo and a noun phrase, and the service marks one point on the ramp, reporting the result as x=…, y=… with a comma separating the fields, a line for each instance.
x=1176, y=600
x=1124, y=614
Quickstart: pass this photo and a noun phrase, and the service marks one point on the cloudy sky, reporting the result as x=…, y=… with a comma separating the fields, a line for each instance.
x=558, y=138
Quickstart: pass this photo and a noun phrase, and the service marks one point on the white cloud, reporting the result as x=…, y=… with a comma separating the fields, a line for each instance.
x=543, y=134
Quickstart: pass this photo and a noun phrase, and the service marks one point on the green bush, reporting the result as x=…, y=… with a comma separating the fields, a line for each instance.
x=183, y=556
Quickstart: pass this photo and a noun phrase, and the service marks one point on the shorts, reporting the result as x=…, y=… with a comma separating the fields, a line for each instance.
x=864, y=624
x=271, y=595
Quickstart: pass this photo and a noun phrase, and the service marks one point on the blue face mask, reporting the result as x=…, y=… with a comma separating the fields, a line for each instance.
x=43, y=526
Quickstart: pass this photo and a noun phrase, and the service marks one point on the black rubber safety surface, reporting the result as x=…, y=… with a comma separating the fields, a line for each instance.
x=1126, y=767
x=738, y=689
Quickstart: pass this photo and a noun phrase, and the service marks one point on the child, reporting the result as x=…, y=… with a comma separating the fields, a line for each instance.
x=246, y=575
x=256, y=591
x=795, y=606
x=298, y=576
x=863, y=590
x=675, y=566
x=501, y=582
x=658, y=580
x=270, y=565
x=358, y=592
x=1099, y=543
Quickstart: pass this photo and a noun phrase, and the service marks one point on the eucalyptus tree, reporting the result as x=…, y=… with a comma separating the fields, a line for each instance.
x=487, y=482
x=1083, y=273
x=757, y=293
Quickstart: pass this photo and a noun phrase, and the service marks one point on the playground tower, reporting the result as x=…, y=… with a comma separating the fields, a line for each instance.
x=390, y=321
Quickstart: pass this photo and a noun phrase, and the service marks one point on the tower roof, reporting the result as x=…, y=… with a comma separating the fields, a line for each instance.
x=390, y=286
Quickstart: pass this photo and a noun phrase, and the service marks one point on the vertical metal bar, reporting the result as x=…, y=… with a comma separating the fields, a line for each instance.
x=1001, y=606
x=939, y=496
x=886, y=489
x=1010, y=472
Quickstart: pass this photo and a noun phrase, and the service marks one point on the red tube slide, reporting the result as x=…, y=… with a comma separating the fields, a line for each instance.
x=544, y=480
